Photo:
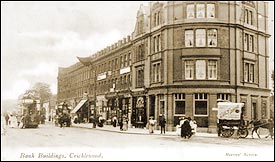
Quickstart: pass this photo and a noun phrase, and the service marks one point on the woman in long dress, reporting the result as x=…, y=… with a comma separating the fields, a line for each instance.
x=13, y=121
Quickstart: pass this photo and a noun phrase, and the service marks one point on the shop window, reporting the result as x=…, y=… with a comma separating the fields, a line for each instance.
x=179, y=100
x=223, y=97
x=201, y=104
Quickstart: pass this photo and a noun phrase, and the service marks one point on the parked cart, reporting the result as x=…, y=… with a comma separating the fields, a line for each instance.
x=230, y=117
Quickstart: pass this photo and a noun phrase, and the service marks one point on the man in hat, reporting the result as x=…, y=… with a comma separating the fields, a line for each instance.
x=162, y=123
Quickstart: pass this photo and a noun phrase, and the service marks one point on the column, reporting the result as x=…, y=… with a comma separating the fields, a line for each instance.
x=212, y=114
x=189, y=105
x=156, y=107
x=130, y=110
x=169, y=112
x=147, y=107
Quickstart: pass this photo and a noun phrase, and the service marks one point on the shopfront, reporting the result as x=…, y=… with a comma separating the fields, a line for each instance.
x=139, y=119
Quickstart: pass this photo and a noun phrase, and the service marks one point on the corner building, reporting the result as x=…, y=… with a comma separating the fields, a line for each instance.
x=182, y=58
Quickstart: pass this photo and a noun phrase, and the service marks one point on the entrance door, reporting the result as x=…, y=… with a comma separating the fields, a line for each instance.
x=139, y=112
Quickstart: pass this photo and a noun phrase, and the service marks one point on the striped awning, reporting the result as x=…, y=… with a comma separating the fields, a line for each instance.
x=79, y=105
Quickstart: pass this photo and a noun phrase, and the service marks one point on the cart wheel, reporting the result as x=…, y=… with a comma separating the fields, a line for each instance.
x=243, y=132
x=227, y=132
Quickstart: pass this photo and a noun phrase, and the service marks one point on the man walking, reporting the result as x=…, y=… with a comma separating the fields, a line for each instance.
x=7, y=117
x=162, y=123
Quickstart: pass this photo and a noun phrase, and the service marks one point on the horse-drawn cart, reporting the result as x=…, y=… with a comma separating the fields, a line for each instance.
x=230, y=118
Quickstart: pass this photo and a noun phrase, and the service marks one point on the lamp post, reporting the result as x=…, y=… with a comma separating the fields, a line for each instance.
x=94, y=119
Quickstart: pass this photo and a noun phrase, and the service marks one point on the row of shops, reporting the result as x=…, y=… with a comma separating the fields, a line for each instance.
x=199, y=104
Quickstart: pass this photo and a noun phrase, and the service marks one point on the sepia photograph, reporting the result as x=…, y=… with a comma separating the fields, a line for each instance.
x=137, y=80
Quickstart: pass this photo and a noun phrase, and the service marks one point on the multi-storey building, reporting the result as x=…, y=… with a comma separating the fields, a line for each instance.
x=182, y=58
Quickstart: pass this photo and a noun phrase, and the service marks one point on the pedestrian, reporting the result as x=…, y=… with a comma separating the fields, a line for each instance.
x=100, y=121
x=18, y=119
x=152, y=123
x=120, y=123
x=22, y=122
x=185, y=129
x=56, y=119
x=7, y=119
x=162, y=123
x=75, y=119
x=125, y=123
x=114, y=121
x=13, y=121
x=193, y=125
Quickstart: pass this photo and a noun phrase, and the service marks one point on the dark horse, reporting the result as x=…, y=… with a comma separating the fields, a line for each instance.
x=263, y=123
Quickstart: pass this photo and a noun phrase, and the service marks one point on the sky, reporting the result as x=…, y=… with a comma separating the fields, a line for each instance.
x=39, y=37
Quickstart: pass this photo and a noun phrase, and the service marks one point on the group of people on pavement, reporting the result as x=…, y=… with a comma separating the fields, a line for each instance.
x=188, y=127
x=152, y=123
x=122, y=121
x=12, y=120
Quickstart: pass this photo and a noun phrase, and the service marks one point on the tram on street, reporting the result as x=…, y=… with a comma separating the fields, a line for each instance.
x=30, y=117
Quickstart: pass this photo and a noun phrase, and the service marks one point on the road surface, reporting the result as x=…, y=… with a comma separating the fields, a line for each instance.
x=53, y=143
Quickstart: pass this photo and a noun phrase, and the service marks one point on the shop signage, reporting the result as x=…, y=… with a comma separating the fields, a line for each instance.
x=101, y=76
x=125, y=70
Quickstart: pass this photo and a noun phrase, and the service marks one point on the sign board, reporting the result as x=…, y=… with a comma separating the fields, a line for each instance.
x=214, y=109
x=125, y=70
x=101, y=76
x=28, y=101
x=229, y=110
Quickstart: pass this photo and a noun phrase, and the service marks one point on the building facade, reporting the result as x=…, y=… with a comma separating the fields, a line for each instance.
x=182, y=57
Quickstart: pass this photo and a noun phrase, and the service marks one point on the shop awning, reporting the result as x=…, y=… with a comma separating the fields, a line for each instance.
x=79, y=105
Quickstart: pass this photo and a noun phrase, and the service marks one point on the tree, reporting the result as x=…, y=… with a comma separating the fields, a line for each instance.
x=43, y=90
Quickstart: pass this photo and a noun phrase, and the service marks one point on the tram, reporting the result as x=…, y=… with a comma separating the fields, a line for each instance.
x=29, y=111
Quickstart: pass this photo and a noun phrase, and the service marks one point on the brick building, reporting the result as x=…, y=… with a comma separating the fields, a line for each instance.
x=181, y=58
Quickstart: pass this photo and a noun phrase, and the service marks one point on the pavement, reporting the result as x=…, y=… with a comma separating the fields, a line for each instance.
x=139, y=131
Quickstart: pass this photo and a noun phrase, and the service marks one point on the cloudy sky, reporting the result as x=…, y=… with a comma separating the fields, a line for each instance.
x=39, y=37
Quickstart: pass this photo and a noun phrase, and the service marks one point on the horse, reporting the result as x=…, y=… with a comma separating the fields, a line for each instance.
x=263, y=123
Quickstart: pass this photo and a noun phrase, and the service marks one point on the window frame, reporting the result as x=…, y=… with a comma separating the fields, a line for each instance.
x=187, y=35
x=200, y=99
x=208, y=70
x=204, y=70
x=177, y=99
x=200, y=36
x=215, y=37
x=192, y=71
